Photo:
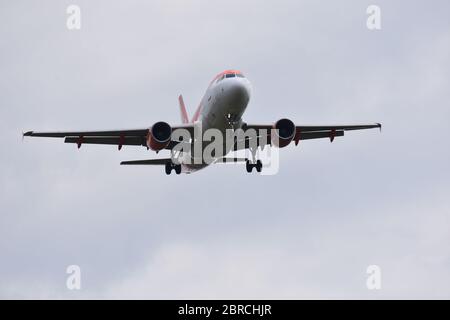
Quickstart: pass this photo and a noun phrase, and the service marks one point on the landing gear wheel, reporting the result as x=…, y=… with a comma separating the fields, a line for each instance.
x=178, y=168
x=248, y=166
x=168, y=168
x=258, y=165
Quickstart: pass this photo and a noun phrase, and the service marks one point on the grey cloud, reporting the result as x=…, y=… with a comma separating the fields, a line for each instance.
x=308, y=232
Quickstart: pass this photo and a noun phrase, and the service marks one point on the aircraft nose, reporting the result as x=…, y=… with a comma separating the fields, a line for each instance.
x=239, y=92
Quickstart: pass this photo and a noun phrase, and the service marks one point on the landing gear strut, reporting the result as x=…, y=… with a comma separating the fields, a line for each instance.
x=170, y=166
x=249, y=166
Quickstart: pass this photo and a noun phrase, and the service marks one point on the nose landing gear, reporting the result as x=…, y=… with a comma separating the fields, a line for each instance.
x=232, y=120
x=257, y=165
x=170, y=166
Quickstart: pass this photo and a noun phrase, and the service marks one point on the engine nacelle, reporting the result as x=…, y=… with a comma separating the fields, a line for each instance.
x=159, y=136
x=285, y=133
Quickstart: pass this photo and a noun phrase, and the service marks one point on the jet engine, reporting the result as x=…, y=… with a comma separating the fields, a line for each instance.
x=159, y=136
x=284, y=133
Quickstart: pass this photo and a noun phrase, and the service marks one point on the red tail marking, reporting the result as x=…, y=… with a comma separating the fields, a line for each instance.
x=184, y=115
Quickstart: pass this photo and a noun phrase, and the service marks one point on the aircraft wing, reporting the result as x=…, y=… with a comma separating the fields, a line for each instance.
x=315, y=128
x=307, y=132
x=134, y=137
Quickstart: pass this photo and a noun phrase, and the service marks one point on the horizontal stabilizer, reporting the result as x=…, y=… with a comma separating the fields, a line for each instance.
x=151, y=162
x=231, y=160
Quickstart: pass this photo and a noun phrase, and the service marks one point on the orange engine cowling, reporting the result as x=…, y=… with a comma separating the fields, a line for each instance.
x=159, y=136
x=284, y=133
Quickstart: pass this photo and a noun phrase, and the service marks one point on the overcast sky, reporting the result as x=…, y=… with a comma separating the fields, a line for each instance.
x=308, y=232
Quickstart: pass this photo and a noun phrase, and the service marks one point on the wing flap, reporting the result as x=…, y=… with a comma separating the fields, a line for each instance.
x=319, y=134
x=299, y=136
x=131, y=141
x=338, y=127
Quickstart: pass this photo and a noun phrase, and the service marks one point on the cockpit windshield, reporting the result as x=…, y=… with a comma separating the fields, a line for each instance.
x=230, y=75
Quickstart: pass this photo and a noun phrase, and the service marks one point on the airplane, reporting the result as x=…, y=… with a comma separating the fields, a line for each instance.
x=221, y=108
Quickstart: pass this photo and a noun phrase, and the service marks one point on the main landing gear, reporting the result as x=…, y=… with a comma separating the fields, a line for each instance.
x=170, y=166
x=249, y=166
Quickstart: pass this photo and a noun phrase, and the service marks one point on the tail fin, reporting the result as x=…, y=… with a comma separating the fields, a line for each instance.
x=184, y=115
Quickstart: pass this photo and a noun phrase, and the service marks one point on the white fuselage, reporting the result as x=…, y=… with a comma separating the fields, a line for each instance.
x=221, y=108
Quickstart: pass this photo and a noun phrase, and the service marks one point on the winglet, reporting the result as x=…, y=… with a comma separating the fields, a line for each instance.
x=379, y=126
x=184, y=115
x=26, y=134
